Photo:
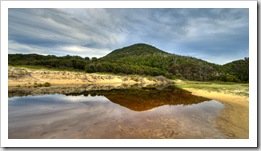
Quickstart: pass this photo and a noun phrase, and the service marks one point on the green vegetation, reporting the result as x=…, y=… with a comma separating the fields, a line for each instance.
x=46, y=84
x=237, y=70
x=50, y=61
x=141, y=59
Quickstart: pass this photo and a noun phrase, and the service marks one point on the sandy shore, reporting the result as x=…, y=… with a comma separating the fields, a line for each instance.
x=234, y=119
x=18, y=76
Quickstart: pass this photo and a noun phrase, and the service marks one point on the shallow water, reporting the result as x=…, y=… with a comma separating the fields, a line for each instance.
x=117, y=113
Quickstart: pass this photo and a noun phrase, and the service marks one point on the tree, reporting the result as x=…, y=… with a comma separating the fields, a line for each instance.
x=94, y=59
x=87, y=58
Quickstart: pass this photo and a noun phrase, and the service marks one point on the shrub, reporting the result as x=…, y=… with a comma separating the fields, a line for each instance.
x=46, y=84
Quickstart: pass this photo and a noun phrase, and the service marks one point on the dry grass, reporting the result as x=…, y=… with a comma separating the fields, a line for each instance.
x=238, y=89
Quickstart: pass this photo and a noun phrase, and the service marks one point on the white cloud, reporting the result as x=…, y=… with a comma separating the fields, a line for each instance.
x=84, y=51
x=59, y=50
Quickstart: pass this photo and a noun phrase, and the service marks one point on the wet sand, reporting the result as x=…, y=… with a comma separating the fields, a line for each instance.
x=234, y=119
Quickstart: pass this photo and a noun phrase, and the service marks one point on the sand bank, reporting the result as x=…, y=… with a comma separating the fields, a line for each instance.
x=18, y=76
x=234, y=119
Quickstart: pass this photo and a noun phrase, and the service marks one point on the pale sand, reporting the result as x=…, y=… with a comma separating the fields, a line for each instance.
x=18, y=76
x=234, y=119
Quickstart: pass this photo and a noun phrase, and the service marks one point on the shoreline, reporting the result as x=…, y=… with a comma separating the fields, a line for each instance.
x=234, y=118
x=20, y=77
x=75, y=83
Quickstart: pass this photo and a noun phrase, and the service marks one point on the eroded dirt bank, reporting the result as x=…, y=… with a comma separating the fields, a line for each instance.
x=18, y=76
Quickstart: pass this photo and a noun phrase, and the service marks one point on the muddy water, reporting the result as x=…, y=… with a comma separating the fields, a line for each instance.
x=117, y=113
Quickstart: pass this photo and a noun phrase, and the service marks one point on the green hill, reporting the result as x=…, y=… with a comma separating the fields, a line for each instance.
x=136, y=50
x=239, y=70
x=142, y=59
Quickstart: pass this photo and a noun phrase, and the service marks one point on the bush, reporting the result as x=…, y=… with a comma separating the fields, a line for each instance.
x=46, y=84
x=228, y=78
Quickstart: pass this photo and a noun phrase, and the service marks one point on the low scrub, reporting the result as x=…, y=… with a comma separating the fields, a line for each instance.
x=227, y=88
x=46, y=84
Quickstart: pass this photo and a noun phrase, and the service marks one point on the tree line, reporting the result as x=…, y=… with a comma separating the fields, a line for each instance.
x=142, y=59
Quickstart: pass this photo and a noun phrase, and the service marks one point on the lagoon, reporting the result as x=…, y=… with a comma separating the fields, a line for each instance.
x=98, y=111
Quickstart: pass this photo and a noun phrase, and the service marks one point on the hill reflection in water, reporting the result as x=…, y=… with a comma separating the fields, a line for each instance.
x=98, y=111
x=147, y=98
x=136, y=98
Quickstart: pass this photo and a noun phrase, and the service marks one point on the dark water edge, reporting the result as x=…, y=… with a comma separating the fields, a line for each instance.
x=106, y=111
x=64, y=89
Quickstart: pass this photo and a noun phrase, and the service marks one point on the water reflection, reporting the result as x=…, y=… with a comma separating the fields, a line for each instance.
x=62, y=89
x=167, y=112
x=146, y=98
x=136, y=99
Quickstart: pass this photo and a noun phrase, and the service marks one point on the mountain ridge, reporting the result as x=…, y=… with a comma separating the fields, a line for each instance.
x=140, y=49
x=142, y=59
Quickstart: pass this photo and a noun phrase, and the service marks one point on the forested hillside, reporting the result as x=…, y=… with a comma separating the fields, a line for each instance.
x=147, y=60
x=50, y=61
x=238, y=69
x=142, y=59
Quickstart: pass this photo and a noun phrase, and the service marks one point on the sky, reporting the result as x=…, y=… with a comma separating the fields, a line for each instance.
x=216, y=35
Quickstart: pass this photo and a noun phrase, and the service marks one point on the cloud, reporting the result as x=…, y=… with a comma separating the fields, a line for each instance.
x=84, y=51
x=206, y=32
x=59, y=50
